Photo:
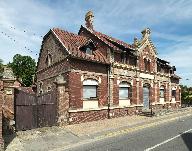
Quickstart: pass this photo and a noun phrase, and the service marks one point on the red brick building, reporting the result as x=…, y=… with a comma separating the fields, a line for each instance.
x=97, y=76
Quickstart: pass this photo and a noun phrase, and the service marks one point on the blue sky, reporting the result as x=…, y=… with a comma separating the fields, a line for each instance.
x=26, y=21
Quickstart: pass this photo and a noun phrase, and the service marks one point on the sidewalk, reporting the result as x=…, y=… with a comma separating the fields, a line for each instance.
x=53, y=138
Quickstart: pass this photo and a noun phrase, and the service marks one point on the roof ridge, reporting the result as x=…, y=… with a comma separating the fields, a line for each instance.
x=63, y=30
x=101, y=35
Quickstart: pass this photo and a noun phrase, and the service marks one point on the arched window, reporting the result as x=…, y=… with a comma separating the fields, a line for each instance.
x=125, y=91
x=147, y=64
x=162, y=92
x=90, y=89
x=173, y=92
x=49, y=60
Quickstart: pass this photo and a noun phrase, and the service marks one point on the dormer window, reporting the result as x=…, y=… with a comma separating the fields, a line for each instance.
x=88, y=48
x=89, y=51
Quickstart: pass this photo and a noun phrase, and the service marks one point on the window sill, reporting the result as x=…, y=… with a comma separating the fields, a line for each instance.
x=159, y=103
x=87, y=109
x=91, y=99
x=124, y=98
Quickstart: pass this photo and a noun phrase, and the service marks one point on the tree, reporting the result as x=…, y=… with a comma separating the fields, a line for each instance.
x=23, y=67
x=1, y=67
x=186, y=95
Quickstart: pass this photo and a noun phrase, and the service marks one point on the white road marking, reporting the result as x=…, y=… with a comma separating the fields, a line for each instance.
x=166, y=141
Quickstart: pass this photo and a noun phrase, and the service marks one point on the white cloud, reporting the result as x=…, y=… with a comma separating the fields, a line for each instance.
x=122, y=19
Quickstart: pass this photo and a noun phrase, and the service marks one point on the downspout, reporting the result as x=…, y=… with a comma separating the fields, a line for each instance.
x=108, y=82
x=108, y=91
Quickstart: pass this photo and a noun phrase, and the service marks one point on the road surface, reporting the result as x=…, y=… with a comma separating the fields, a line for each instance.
x=172, y=136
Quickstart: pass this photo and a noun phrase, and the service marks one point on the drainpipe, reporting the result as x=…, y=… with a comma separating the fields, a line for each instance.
x=108, y=91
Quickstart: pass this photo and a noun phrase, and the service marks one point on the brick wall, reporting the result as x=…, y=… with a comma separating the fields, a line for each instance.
x=134, y=92
x=102, y=92
x=115, y=92
x=52, y=46
x=62, y=103
x=84, y=65
x=79, y=117
x=118, y=112
x=167, y=93
x=87, y=116
x=177, y=94
x=75, y=90
x=101, y=47
x=45, y=73
x=146, y=52
x=151, y=94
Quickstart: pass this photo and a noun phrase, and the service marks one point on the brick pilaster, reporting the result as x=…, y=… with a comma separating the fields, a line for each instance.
x=137, y=83
x=134, y=92
x=115, y=92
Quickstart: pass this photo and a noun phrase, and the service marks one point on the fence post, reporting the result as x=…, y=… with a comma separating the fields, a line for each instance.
x=62, y=101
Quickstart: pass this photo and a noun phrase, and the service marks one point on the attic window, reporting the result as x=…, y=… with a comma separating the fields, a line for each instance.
x=49, y=60
x=88, y=51
x=147, y=64
x=88, y=48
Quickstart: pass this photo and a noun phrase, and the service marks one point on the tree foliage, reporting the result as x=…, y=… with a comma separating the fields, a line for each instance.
x=186, y=95
x=23, y=67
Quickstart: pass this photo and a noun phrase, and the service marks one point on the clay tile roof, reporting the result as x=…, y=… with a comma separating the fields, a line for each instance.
x=70, y=40
x=110, y=41
x=73, y=42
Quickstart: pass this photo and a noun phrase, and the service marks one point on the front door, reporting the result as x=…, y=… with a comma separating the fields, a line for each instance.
x=146, y=97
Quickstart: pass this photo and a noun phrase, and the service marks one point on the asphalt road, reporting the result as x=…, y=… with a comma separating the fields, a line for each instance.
x=172, y=136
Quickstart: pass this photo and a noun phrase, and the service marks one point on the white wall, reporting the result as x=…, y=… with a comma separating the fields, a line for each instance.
x=173, y=100
x=90, y=104
x=124, y=102
x=161, y=100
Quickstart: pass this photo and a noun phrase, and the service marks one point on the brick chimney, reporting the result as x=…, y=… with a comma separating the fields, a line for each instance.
x=89, y=20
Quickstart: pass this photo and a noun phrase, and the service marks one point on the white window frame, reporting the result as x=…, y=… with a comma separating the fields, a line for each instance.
x=88, y=51
x=162, y=89
x=124, y=85
x=92, y=84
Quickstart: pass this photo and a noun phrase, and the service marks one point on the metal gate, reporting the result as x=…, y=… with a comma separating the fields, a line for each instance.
x=33, y=111
x=146, y=97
